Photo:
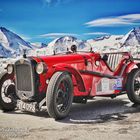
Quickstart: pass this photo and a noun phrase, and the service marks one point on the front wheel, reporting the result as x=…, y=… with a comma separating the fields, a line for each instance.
x=59, y=95
x=7, y=93
x=133, y=86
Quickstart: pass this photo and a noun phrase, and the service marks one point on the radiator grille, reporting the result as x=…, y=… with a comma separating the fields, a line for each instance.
x=23, y=73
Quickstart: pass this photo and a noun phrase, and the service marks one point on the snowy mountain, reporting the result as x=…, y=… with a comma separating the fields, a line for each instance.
x=63, y=44
x=11, y=44
x=38, y=45
x=58, y=45
x=132, y=38
x=128, y=42
x=106, y=43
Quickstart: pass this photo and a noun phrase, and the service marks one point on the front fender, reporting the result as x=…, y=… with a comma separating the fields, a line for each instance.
x=74, y=72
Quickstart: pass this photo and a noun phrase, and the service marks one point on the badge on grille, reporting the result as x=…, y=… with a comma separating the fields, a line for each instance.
x=21, y=61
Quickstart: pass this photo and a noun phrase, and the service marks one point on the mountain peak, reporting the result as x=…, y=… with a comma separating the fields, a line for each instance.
x=132, y=38
x=11, y=44
x=136, y=29
x=3, y=29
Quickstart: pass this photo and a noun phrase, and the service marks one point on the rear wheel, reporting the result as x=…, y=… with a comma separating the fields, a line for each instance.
x=133, y=86
x=59, y=95
x=7, y=93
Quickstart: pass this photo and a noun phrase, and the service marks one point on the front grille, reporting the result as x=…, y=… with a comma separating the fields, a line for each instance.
x=23, y=76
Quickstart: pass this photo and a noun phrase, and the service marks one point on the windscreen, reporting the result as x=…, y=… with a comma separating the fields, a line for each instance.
x=64, y=44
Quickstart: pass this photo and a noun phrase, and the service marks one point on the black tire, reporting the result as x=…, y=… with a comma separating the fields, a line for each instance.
x=59, y=95
x=7, y=90
x=133, y=86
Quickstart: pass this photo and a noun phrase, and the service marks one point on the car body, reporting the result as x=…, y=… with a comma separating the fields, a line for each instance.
x=60, y=79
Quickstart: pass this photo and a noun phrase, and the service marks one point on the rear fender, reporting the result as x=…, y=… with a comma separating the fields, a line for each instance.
x=131, y=66
x=74, y=72
x=128, y=69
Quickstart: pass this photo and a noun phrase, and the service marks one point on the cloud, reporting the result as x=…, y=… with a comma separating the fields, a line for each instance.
x=54, y=2
x=27, y=38
x=48, y=1
x=124, y=20
x=97, y=33
x=57, y=35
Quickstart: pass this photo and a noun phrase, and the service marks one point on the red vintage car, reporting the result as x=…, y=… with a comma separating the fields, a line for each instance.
x=59, y=80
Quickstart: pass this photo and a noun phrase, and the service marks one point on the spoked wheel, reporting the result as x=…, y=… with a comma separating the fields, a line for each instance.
x=133, y=86
x=7, y=93
x=59, y=95
x=62, y=96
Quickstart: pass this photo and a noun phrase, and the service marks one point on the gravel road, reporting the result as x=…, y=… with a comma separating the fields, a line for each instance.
x=99, y=119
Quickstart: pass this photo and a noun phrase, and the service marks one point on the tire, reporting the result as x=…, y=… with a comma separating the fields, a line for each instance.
x=7, y=91
x=133, y=86
x=59, y=96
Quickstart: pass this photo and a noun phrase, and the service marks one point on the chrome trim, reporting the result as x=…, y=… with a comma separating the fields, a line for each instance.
x=24, y=94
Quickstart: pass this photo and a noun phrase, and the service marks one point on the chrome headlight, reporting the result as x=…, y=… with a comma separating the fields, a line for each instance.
x=10, y=68
x=41, y=68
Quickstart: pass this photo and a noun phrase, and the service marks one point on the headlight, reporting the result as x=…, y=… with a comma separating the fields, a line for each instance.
x=10, y=68
x=41, y=68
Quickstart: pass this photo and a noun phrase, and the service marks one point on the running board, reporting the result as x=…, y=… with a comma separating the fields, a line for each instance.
x=98, y=74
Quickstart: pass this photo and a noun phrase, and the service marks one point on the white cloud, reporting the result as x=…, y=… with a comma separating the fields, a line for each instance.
x=54, y=2
x=97, y=33
x=26, y=38
x=48, y=1
x=131, y=19
x=56, y=35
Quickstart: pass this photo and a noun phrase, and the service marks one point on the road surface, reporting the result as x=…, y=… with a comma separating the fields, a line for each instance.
x=99, y=119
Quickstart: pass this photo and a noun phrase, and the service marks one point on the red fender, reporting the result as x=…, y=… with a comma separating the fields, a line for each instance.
x=74, y=72
x=131, y=66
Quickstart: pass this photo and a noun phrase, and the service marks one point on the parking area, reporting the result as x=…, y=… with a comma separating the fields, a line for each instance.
x=101, y=118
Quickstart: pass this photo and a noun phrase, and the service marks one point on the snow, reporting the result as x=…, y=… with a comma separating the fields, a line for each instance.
x=11, y=44
x=61, y=45
x=125, y=37
x=106, y=43
x=4, y=41
x=129, y=42
x=113, y=43
x=132, y=38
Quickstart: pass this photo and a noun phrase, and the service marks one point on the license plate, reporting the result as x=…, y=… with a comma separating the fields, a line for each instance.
x=31, y=107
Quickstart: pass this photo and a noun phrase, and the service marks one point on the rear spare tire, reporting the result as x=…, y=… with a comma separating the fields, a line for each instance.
x=7, y=93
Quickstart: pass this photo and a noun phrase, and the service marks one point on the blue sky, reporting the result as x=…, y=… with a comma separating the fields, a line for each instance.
x=44, y=20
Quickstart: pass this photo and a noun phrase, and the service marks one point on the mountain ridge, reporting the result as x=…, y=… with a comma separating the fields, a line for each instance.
x=11, y=44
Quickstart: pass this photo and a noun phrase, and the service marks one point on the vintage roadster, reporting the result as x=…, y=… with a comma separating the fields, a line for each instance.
x=59, y=80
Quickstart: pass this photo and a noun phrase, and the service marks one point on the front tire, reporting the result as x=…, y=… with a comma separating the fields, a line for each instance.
x=133, y=86
x=59, y=95
x=7, y=93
